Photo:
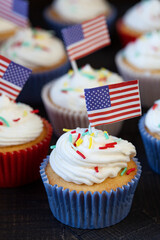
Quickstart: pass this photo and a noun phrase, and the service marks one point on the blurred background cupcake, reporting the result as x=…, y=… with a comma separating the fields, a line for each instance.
x=7, y=29
x=40, y=51
x=64, y=98
x=63, y=13
x=88, y=185
x=141, y=18
x=141, y=60
x=149, y=127
x=24, y=142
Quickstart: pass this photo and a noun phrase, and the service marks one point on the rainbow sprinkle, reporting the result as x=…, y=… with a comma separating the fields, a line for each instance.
x=124, y=170
x=96, y=169
x=81, y=154
x=53, y=147
x=106, y=134
x=25, y=113
x=79, y=142
x=90, y=142
x=66, y=130
x=130, y=170
x=16, y=120
x=5, y=121
x=35, y=111
x=70, y=138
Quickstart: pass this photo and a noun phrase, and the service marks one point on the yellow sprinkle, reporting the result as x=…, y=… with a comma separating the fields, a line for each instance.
x=25, y=113
x=79, y=142
x=65, y=84
x=105, y=132
x=101, y=75
x=70, y=72
x=92, y=134
x=66, y=130
x=40, y=37
x=101, y=84
x=78, y=89
x=90, y=142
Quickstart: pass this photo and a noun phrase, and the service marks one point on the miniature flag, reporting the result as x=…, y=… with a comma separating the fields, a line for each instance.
x=113, y=103
x=12, y=77
x=83, y=39
x=15, y=11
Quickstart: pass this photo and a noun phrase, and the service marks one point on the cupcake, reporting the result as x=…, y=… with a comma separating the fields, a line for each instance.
x=141, y=18
x=7, y=29
x=40, y=51
x=141, y=60
x=65, y=102
x=149, y=127
x=90, y=178
x=24, y=142
x=63, y=13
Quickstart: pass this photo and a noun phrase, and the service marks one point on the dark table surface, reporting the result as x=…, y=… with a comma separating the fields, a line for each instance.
x=24, y=211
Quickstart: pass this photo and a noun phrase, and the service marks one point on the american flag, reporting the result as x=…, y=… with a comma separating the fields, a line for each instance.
x=15, y=11
x=83, y=39
x=113, y=103
x=12, y=77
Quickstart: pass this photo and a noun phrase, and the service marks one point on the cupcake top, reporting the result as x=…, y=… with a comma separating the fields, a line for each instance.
x=33, y=48
x=144, y=16
x=88, y=156
x=144, y=53
x=80, y=10
x=152, y=119
x=68, y=91
x=18, y=123
x=6, y=26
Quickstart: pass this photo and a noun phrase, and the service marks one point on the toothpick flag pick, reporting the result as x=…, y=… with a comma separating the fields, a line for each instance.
x=15, y=11
x=113, y=103
x=12, y=77
x=83, y=39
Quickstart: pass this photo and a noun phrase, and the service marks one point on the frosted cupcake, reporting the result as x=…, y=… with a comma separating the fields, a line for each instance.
x=141, y=18
x=24, y=142
x=90, y=178
x=149, y=127
x=63, y=13
x=40, y=51
x=141, y=60
x=65, y=102
x=7, y=29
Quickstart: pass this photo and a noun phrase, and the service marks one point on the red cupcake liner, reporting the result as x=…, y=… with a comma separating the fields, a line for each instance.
x=21, y=167
x=125, y=38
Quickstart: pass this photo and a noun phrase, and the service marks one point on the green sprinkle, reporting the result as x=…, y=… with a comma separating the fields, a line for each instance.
x=38, y=47
x=53, y=147
x=159, y=125
x=124, y=170
x=119, y=139
x=85, y=133
x=149, y=34
x=70, y=138
x=5, y=121
x=137, y=54
x=88, y=75
x=14, y=54
x=26, y=44
x=106, y=135
x=67, y=89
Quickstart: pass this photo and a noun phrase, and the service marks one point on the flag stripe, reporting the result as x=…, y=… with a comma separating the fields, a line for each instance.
x=123, y=90
x=124, y=96
x=123, y=84
x=6, y=91
x=4, y=83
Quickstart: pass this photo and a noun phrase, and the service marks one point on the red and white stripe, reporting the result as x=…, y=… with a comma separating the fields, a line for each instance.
x=7, y=88
x=125, y=103
x=96, y=36
x=7, y=13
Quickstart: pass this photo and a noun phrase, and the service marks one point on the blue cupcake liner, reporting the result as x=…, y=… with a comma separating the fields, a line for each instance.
x=89, y=210
x=31, y=92
x=151, y=145
x=58, y=26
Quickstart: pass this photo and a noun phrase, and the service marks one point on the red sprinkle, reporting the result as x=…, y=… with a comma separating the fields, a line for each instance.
x=1, y=123
x=81, y=154
x=86, y=130
x=63, y=91
x=130, y=170
x=73, y=132
x=82, y=96
x=102, y=79
x=108, y=145
x=35, y=111
x=155, y=106
x=16, y=120
x=79, y=135
x=96, y=169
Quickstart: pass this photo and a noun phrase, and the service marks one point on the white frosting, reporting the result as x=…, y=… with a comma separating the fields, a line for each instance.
x=145, y=52
x=6, y=26
x=80, y=10
x=26, y=129
x=87, y=77
x=33, y=48
x=144, y=16
x=152, y=119
x=70, y=166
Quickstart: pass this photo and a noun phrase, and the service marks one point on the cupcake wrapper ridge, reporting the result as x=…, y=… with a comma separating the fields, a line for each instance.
x=21, y=167
x=87, y=210
x=151, y=145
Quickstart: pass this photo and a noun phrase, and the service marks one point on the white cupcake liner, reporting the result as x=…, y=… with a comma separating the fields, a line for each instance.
x=63, y=118
x=149, y=83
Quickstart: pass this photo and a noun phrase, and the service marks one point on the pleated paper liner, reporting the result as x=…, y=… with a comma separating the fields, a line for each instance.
x=151, y=145
x=63, y=118
x=21, y=167
x=89, y=210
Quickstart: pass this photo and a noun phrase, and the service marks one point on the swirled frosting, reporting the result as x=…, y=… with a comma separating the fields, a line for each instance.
x=144, y=53
x=33, y=48
x=6, y=26
x=96, y=164
x=81, y=10
x=68, y=91
x=18, y=125
x=144, y=16
x=152, y=119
